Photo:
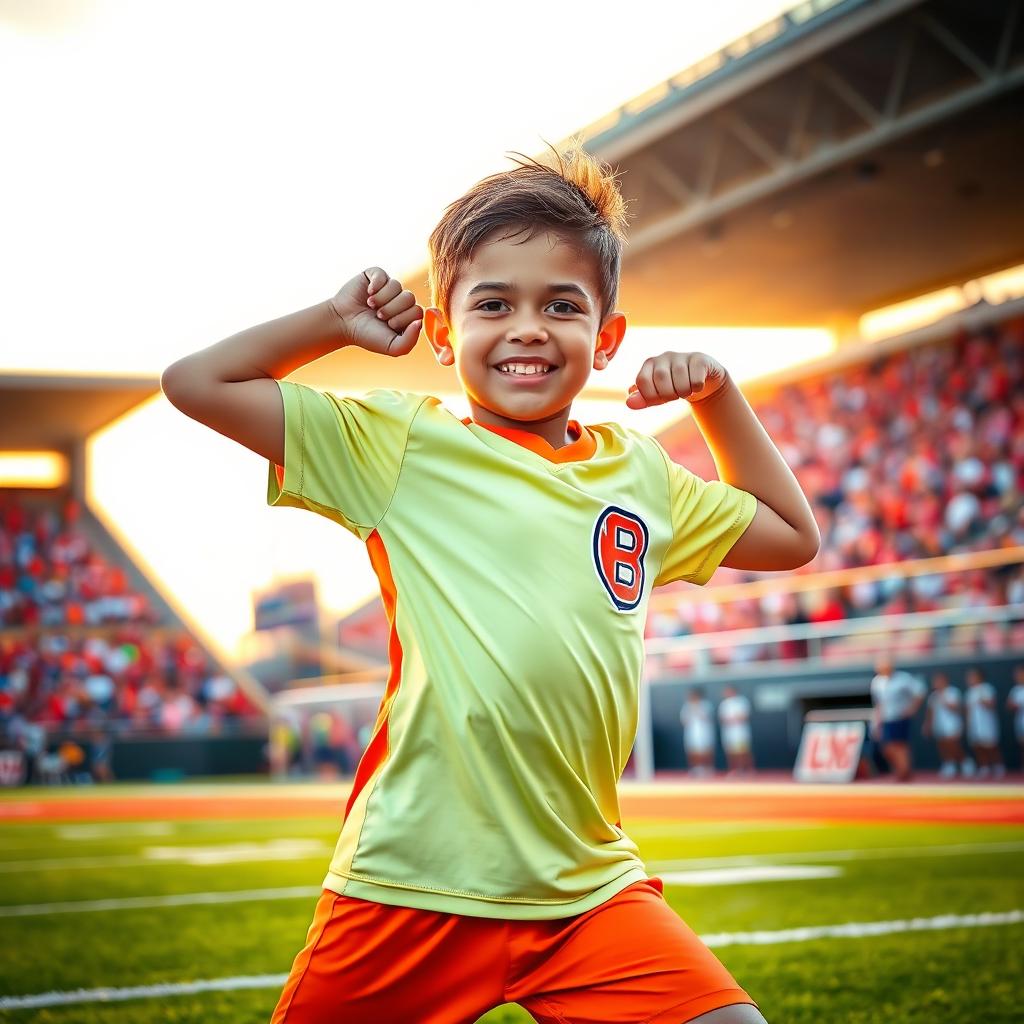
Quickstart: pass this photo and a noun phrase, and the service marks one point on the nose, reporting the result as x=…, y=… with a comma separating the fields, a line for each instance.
x=527, y=329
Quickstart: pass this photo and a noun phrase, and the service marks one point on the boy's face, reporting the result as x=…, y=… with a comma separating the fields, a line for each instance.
x=525, y=302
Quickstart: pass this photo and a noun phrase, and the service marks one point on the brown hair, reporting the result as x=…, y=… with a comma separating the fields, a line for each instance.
x=579, y=199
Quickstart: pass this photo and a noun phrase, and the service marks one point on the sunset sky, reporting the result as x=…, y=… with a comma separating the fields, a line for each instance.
x=178, y=172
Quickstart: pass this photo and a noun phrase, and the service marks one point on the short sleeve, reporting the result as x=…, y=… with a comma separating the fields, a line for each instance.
x=342, y=455
x=707, y=519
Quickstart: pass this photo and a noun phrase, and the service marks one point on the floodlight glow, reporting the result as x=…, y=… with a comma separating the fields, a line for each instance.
x=33, y=469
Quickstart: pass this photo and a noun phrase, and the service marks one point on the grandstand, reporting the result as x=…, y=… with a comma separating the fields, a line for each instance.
x=101, y=673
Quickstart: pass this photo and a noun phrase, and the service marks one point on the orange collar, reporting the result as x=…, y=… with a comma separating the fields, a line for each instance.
x=577, y=451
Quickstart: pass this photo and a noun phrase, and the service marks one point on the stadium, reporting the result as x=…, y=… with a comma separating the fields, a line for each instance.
x=846, y=173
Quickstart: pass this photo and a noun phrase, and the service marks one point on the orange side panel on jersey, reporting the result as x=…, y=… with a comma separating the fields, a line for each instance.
x=377, y=749
x=279, y=471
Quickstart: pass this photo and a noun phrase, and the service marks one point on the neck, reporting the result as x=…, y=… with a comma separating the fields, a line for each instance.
x=554, y=429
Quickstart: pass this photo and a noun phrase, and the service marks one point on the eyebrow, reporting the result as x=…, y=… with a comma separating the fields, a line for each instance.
x=504, y=286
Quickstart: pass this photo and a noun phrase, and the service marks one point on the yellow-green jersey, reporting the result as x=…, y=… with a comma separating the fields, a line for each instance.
x=515, y=578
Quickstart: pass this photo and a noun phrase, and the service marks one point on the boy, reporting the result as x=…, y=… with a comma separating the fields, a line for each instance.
x=481, y=858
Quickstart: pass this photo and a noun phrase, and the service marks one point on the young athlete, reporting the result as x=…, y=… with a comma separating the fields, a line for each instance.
x=482, y=857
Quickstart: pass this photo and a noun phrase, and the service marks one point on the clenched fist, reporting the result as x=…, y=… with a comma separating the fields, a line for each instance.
x=691, y=375
x=377, y=315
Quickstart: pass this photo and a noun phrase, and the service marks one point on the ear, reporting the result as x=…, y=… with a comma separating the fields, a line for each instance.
x=437, y=330
x=609, y=339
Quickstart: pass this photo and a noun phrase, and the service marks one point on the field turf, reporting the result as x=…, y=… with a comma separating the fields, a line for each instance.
x=59, y=848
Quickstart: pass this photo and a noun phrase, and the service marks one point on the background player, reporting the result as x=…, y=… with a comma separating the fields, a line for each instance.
x=1015, y=705
x=896, y=697
x=983, y=725
x=734, y=722
x=481, y=859
x=698, y=723
x=944, y=720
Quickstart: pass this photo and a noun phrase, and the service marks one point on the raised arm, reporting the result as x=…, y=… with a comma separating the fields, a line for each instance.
x=783, y=533
x=231, y=386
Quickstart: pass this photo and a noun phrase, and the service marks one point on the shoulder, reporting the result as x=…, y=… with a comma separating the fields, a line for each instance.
x=627, y=441
x=380, y=400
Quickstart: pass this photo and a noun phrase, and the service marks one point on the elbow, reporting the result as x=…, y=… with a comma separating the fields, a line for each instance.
x=808, y=547
x=177, y=381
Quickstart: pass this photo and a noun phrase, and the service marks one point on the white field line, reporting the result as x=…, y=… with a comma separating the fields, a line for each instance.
x=194, y=856
x=651, y=829
x=748, y=875
x=854, y=930
x=115, y=829
x=118, y=995
x=864, y=929
x=866, y=853
x=692, y=863
x=184, y=899
x=233, y=853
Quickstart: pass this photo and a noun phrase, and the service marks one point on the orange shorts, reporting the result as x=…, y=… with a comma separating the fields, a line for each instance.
x=629, y=959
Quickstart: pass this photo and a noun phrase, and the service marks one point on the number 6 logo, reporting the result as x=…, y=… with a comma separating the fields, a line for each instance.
x=620, y=543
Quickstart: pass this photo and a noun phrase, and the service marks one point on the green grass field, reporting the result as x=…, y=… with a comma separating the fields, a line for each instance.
x=885, y=873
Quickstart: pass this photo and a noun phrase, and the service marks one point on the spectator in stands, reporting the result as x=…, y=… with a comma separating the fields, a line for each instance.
x=1015, y=705
x=734, y=723
x=896, y=696
x=698, y=732
x=944, y=721
x=983, y=725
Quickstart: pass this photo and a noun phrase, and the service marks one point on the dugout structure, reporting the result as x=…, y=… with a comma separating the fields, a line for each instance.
x=56, y=413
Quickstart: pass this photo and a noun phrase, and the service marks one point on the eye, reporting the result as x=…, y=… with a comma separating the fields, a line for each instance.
x=570, y=308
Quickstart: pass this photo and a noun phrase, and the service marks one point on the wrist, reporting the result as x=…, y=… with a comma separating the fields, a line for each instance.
x=726, y=385
x=340, y=328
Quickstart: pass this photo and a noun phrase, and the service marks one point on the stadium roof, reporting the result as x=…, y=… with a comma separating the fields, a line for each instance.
x=56, y=411
x=847, y=155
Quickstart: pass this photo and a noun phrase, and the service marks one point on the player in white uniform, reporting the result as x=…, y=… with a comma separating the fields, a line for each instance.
x=944, y=720
x=983, y=724
x=896, y=697
x=734, y=722
x=1015, y=705
x=698, y=732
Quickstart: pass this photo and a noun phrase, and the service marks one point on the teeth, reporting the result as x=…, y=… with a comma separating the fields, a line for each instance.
x=524, y=369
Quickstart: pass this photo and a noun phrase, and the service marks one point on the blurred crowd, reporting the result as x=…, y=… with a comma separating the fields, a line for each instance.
x=50, y=575
x=914, y=455
x=76, y=687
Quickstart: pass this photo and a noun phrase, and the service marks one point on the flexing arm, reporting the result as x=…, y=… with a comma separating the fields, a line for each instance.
x=231, y=386
x=783, y=533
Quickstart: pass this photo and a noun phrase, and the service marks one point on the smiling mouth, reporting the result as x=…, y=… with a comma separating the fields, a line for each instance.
x=525, y=371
